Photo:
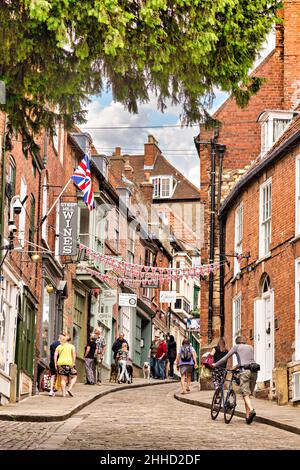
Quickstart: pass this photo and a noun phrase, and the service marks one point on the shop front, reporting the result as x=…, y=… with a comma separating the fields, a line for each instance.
x=9, y=300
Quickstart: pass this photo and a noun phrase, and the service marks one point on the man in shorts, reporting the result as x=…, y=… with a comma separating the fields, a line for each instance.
x=248, y=376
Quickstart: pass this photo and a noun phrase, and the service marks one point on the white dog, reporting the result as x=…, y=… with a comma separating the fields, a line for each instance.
x=146, y=370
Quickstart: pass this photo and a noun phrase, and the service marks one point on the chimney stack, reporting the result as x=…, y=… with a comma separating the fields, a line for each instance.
x=151, y=152
x=117, y=152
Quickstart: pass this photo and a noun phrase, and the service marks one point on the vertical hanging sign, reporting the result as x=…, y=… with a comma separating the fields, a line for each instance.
x=68, y=229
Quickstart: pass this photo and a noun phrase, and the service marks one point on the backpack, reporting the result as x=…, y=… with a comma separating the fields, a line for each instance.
x=186, y=354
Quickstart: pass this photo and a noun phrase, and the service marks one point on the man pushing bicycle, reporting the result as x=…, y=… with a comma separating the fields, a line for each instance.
x=248, y=372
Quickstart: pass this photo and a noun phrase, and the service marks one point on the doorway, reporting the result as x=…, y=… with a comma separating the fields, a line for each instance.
x=264, y=331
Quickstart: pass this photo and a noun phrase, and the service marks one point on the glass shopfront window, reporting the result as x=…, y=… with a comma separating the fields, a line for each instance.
x=48, y=313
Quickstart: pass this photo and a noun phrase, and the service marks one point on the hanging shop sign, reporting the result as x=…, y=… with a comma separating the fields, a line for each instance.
x=68, y=229
x=127, y=300
x=109, y=297
x=167, y=296
x=193, y=324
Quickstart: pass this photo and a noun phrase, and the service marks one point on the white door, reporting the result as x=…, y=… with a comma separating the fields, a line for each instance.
x=264, y=335
x=269, y=333
x=258, y=338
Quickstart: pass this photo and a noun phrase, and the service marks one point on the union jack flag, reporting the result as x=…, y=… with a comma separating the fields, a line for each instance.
x=82, y=179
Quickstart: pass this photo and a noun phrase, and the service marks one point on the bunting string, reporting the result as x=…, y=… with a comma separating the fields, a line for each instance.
x=143, y=275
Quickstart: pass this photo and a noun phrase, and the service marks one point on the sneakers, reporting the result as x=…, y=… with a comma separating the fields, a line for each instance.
x=251, y=417
x=51, y=394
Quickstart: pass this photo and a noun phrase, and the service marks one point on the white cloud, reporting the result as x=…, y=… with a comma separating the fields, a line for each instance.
x=177, y=144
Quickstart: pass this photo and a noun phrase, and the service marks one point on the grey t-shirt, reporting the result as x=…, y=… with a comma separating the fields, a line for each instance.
x=244, y=354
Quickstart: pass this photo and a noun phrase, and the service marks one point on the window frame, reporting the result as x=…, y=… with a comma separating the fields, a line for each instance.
x=238, y=242
x=12, y=175
x=297, y=195
x=236, y=301
x=159, y=191
x=267, y=120
x=265, y=223
x=31, y=230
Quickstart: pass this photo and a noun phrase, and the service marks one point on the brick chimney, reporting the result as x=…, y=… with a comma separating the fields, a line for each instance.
x=147, y=188
x=151, y=152
x=128, y=170
x=117, y=152
x=116, y=165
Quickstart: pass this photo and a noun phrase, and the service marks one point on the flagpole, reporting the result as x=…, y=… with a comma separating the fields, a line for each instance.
x=56, y=200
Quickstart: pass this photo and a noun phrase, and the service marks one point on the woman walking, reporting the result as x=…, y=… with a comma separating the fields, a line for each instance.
x=89, y=358
x=171, y=354
x=219, y=373
x=64, y=359
x=186, y=360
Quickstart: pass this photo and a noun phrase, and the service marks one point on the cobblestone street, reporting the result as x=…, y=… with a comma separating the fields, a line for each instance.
x=144, y=418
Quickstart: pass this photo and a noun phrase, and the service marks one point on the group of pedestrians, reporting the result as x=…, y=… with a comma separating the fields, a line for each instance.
x=122, y=359
x=62, y=362
x=93, y=357
x=162, y=355
x=62, y=365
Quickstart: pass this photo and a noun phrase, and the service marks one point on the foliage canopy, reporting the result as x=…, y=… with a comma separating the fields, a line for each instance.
x=54, y=54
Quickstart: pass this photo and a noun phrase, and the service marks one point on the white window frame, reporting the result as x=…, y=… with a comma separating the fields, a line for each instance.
x=295, y=396
x=297, y=195
x=297, y=309
x=159, y=188
x=267, y=120
x=22, y=216
x=238, y=236
x=265, y=223
x=45, y=209
x=236, y=302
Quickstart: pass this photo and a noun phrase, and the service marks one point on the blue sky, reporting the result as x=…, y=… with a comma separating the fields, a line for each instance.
x=177, y=144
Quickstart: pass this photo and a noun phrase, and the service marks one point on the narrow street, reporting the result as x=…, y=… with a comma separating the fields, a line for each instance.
x=144, y=418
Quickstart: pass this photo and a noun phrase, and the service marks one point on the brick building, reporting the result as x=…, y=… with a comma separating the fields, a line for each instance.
x=262, y=292
x=175, y=220
x=248, y=134
x=44, y=290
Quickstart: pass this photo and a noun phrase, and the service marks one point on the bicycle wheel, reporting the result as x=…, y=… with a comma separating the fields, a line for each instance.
x=216, y=404
x=229, y=406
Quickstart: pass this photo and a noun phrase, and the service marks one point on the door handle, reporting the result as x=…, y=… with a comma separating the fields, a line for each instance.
x=268, y=330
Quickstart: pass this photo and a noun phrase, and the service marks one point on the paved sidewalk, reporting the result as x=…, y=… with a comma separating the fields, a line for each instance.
x=41, y=408
x=268, y=412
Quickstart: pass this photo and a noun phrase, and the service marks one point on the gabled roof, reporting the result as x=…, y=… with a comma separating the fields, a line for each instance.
x=184, y=190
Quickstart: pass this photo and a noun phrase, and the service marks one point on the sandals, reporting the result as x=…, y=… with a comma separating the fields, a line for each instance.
x=70, y=393
x=251, y=417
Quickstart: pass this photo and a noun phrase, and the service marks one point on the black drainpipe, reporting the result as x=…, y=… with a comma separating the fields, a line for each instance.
x=222, y=222
x=221, y=151
x=212, y=234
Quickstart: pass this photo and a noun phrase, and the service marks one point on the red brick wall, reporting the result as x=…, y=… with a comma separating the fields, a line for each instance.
x=280, y=267
x=239, y=130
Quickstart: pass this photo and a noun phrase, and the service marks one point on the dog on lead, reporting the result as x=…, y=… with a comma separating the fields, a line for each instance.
x=113, y=373
x=146, y=370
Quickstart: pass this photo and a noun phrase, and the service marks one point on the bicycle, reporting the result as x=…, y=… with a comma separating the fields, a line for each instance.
x=227, y=400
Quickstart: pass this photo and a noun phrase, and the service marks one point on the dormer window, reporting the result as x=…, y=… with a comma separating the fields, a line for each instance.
x=273, y=124
x=163, y=186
